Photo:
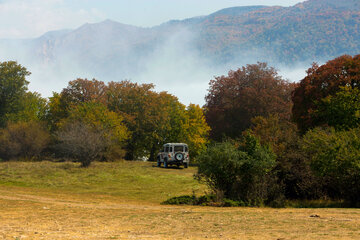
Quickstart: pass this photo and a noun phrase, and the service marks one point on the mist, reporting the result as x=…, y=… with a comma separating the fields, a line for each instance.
x=174, y=65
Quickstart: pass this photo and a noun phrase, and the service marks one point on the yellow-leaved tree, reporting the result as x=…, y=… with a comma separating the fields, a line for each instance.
x=197, y=130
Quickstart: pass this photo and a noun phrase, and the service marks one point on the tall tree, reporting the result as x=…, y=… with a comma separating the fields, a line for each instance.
x=254, y=90
x=139, y=106
x=13, y=86
x=77, y=92
x=197, y=130
x=84, y=90
x=32, y=107
x=320, y=82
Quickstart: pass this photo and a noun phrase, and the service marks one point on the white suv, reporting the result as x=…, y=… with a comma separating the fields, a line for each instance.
x=174, y=154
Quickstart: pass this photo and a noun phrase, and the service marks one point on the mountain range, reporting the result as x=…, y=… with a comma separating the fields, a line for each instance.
x=315, y=30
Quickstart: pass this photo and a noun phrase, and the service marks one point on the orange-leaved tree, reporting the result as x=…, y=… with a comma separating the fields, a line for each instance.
x=254, y=90
x=321, y=82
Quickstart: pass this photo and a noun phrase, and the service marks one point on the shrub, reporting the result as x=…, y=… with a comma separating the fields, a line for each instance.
x=80, y=142
x=293, y=169
x=232, y=203
x=104, y=131
x=182, y=200
x=335, y=158
x=206, y=199
x=241, y=173
x=23, y=140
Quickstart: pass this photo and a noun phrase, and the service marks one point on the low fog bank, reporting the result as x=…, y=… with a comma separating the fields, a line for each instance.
x=174, y=66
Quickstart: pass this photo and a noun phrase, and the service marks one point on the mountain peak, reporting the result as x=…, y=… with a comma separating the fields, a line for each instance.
x=237, y=11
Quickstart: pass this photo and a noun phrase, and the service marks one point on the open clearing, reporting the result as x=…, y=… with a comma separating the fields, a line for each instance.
x=122, y=201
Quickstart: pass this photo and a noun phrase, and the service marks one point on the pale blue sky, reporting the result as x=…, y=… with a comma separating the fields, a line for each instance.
x=32, y=18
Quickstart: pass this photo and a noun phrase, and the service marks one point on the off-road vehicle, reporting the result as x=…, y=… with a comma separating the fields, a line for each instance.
x=174, y=154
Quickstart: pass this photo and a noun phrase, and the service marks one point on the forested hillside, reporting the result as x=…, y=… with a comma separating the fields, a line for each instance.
x=315, y=30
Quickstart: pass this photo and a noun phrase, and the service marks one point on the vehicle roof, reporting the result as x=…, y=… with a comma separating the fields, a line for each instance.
x=175, y=144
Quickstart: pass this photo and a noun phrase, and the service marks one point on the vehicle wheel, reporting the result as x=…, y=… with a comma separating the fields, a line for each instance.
x=186, y=165
x=179, y=156
x=165, y=163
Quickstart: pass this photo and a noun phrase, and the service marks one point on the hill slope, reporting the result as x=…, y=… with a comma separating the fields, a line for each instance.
x=315, y=29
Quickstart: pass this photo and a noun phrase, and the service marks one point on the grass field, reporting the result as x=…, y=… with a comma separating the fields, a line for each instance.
x=138, y=181
x=122, y=201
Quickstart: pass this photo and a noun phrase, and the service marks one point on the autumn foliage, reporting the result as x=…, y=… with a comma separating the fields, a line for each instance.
x=268, y=156
x=254, y=90
x=138, y=118
x=321, y=82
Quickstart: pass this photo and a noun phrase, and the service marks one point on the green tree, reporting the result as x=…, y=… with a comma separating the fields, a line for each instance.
x=77, y=92
x=342, y=110
x=13, y=86
x=58, y=109
x=169, y=122
x=32, y=107
x=335, y=157
x=153, y=118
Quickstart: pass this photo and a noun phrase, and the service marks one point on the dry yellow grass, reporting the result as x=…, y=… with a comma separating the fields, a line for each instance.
x=54, y=213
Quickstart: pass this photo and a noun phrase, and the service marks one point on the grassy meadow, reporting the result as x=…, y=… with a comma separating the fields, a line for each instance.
x=140, y=181
x=121, y=200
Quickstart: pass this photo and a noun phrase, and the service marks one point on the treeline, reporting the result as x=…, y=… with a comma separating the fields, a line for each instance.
x=277, y=140
x=259, y=139
x=91, y=120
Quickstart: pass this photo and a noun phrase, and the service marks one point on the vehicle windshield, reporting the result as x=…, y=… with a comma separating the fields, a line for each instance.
x=178, y=148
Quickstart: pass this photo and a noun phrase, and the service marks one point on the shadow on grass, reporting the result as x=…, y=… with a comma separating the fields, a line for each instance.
x=169, y=167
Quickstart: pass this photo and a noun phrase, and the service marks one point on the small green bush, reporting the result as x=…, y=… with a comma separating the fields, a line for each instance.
x=232, y=203
x=206, y=199
x=182, y=200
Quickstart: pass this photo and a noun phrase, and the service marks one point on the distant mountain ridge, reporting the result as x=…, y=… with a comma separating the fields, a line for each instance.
x=310, y=31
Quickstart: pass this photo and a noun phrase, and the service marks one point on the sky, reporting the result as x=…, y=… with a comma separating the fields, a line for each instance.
x=32, y=18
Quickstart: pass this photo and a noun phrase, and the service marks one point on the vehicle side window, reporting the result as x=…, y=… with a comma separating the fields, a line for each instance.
x=170, y=150
x=167, y=149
